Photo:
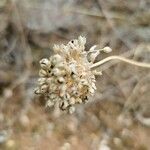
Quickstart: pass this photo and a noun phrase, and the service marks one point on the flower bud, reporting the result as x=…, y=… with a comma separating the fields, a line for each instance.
x=107, y=49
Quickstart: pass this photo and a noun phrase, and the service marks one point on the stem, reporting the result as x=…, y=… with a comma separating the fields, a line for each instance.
x=132, y=62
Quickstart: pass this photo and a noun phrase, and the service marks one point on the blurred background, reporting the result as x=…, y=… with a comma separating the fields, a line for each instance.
x=117, y=117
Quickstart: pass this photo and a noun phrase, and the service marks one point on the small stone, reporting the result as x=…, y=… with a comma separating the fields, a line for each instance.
x=10, y=144
x=24, y=120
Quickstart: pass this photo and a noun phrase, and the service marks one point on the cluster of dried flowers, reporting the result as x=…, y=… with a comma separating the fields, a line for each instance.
x=66, y=78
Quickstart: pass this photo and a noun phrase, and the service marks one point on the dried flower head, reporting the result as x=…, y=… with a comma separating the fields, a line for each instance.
x=66, y=77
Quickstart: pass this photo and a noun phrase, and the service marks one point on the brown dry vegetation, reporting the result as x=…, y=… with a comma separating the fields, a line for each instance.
x=118, y=116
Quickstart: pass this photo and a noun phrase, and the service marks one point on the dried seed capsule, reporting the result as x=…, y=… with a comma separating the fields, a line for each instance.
x=52, y=96
x=41, y=81
x=49, y=80
x=72, y=101
x=84, y=82
x=61, y=80
x=73, y=68
x=45, y=63
x=42, y=73
x=49, y=103
x=37, y=91
x=56, y=59
x=67, y=95
x=79, y=100
x=53, y=87
x=91, y=90
x=63, y=90
x=63, y=105
x=60, y=65
x=94, y=86
x=44, y=88
x=58, y=72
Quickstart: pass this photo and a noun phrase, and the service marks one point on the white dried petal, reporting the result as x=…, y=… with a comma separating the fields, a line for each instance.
x=82, y=40
x=73, y=68
x=94, y=86
x=63, y=50
x=56, y=48
x=93, y=56
x=71, y=45
x=92, y=48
